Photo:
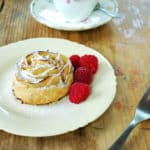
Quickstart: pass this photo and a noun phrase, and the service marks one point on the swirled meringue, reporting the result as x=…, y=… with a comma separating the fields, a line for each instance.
x=42, y=71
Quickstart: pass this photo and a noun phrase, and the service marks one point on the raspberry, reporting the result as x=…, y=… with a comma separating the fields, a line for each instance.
x=83, y=74
x=79, y=92
x=75, y=60
x=89, y=61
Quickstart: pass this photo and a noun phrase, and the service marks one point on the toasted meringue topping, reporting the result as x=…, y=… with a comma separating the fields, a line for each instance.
x=40, y=65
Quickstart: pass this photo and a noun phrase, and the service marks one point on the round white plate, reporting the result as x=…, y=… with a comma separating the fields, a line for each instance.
x=59, y=117
x=44, y=12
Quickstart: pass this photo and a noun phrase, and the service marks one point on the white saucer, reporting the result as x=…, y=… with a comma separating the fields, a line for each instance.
x=44, y=12
x=59, y=117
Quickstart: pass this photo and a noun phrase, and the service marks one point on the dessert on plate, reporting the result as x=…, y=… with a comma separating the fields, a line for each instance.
x=42, y=77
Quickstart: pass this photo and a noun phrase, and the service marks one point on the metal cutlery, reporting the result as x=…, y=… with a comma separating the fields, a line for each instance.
x=142, y=113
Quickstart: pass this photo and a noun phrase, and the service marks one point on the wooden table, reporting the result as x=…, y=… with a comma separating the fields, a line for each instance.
x=125, y=42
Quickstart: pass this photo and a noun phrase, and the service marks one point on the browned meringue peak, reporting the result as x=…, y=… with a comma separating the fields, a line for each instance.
x=41, y=65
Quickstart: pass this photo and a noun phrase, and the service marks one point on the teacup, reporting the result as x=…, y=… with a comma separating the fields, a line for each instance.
x=75, y=10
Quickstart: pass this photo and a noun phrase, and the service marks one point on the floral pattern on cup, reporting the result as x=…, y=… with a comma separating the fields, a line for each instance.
x=68, y=1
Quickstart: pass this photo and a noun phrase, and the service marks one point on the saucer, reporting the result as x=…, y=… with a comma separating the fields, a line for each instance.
x=45, y=12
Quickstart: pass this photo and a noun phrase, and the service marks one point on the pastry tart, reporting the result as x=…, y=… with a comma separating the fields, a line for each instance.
x=42, y=77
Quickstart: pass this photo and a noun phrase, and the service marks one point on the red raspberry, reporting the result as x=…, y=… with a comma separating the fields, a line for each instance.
x=75, y=60
x=79, y=92
x=89, y=61
x=83, y=74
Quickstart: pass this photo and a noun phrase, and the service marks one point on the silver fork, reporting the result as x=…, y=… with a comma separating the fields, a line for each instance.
x=142, y=113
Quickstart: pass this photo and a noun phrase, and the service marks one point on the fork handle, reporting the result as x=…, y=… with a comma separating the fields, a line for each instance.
x=117, y=145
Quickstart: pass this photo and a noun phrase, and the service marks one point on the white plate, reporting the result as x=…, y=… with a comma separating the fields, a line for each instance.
x=55, y=118
x=44, y=12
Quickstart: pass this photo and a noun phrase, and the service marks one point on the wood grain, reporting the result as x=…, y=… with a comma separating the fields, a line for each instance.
x=125, y=43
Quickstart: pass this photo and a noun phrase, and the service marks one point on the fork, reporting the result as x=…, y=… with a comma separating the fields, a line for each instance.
x=142, y=113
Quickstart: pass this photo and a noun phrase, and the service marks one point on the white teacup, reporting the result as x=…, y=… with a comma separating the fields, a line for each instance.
x=75, y=10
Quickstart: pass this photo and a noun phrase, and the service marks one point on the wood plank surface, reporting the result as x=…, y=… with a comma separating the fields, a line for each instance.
x=125, y=42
